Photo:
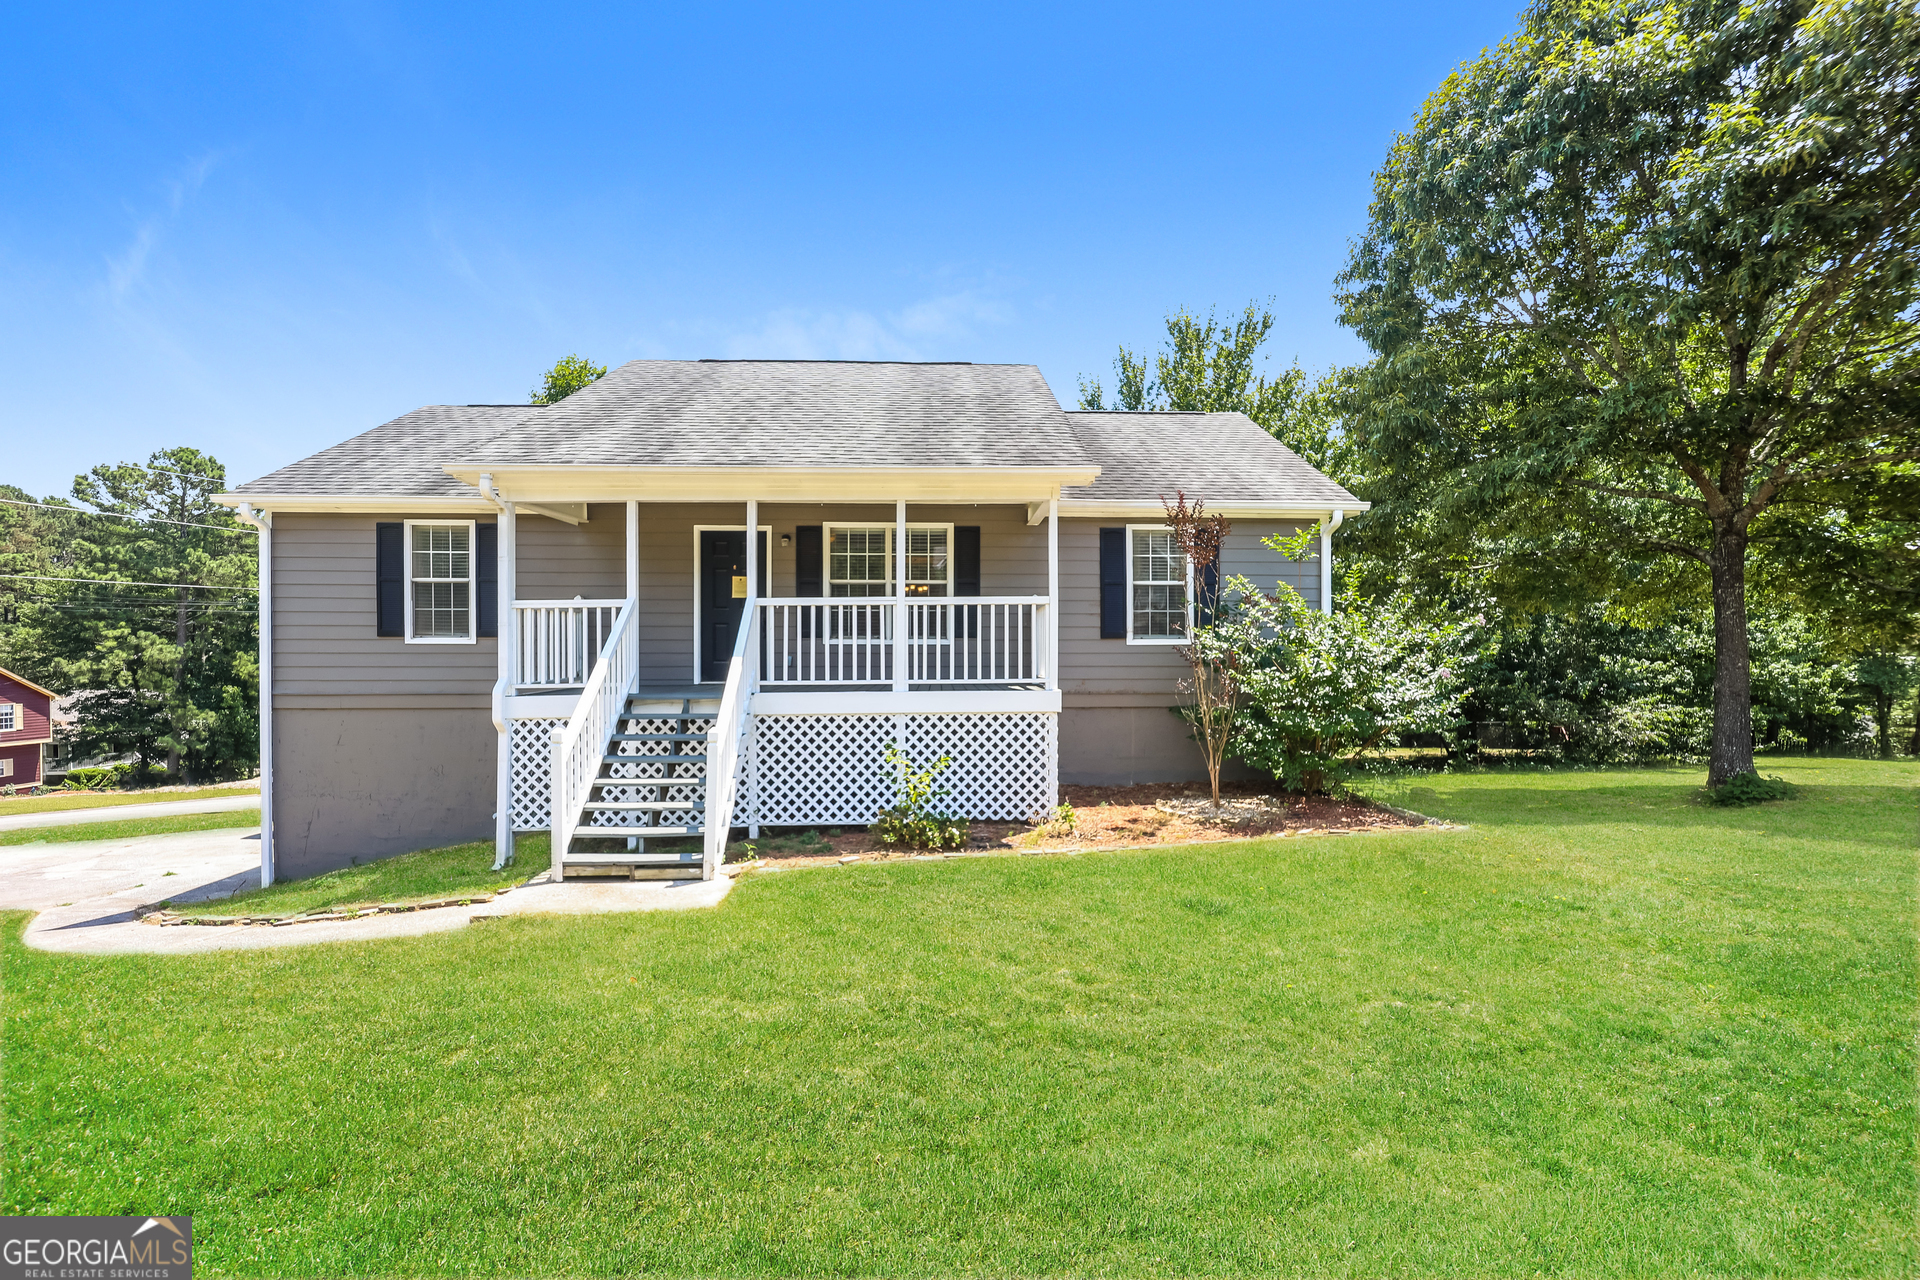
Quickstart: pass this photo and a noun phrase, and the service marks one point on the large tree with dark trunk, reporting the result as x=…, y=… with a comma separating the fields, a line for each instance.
x=1640, y=283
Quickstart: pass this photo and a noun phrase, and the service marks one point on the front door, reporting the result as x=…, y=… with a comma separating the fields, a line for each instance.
x=723, y=595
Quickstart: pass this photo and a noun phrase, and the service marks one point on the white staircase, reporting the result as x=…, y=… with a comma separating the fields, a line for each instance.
x=649, y=791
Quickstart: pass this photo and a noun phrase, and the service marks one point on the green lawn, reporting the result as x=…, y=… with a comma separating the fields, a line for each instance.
x=59, y=801
x=431, y=873
x=1605, y=1031
x=131, y=827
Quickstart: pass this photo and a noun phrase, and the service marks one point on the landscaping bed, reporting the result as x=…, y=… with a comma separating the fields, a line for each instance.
x=1106, y=818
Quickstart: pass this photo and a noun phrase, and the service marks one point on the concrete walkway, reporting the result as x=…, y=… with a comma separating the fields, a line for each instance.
x=86, y=893
x=128, y=812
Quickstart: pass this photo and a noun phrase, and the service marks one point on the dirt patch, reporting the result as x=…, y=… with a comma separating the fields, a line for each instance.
x=1107, y=817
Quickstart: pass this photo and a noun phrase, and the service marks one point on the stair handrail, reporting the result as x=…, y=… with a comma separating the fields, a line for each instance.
x=723, y=740
x=579, y=745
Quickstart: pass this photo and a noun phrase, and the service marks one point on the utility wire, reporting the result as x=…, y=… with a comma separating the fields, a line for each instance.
x=81, y=511
x=126, y=582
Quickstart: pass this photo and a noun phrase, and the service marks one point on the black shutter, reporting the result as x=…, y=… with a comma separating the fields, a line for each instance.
x=1113, y=584
x=808, y=571
x=390, y=581
x=1209, y=600
x=486, y=579
x=966, y=560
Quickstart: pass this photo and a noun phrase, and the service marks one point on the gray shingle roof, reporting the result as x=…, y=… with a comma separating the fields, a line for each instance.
x=820, y=413
x=1223, y=458
x=401, y=458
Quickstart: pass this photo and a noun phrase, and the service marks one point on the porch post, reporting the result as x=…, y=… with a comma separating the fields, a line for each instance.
x=1053, y=593
x=633, y=551
x=507, y=629
x=753, y=553
x=899, y=566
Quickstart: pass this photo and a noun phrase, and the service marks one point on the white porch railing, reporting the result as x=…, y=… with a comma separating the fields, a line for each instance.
x=723, y=743
x=578, y=748
x=556, y=642
x=957, y=640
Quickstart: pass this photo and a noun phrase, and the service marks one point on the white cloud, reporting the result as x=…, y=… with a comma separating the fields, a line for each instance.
x=799, y=333
x=127, y=270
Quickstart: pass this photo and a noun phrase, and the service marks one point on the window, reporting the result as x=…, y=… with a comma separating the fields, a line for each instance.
x=9, y=716
x=858, y=560
x=6, y=766
x=440, y=578
x=1157, y=583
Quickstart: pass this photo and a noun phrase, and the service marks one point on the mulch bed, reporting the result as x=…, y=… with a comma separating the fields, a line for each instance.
x=1111, y=817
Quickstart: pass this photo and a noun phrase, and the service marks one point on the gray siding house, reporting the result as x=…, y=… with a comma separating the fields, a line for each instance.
x=478, y=620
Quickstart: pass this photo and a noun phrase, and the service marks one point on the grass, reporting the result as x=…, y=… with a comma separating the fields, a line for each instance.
x=1606, y=1031
x=431, y=873
x=60, y=801
x=131, y=827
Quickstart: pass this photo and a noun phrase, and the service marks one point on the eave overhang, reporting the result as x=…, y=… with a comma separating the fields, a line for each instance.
x=1232, y=510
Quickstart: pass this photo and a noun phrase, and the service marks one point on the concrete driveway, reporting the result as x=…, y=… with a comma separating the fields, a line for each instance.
x=86, y=893
x=128, y=812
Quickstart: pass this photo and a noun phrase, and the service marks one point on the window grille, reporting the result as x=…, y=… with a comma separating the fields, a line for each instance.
x=1159, y=586
x=442, y=581
x=9, y=717
x=858, y=561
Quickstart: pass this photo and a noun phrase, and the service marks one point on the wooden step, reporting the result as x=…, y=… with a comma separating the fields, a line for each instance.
x=644, y=833
x=699, y=759
x=658, y=737
x=634, y=858
x=643, y=806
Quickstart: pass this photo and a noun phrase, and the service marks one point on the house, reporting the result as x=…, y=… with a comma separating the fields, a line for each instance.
x=484, y=619
x=26, y=727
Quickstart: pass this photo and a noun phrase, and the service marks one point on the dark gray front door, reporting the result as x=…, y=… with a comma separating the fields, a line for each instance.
x=723, y=590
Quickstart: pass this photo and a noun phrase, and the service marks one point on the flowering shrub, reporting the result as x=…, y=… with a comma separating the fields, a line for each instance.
x=1321, y=686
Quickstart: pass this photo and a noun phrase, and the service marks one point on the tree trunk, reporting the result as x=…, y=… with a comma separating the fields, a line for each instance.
x=1732, y=752
x=1883, y=722
x=179, y=673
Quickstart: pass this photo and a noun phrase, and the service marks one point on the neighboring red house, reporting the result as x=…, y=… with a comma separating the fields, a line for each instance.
x=26, y=726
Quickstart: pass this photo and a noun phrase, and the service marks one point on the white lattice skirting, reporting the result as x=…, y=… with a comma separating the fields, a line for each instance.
x=831, y=769
x=532, y=808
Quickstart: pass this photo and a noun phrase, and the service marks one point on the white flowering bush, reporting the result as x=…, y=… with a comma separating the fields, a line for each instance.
x=1321, y=686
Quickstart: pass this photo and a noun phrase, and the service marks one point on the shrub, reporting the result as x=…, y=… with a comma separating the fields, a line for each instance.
x=1321, y=686
x=1749, y=788
x=94, y=779
x=912, y=822
x=1060, y=821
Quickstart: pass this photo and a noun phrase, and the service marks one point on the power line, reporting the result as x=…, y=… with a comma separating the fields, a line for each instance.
x=79, y=511
x=126, y=582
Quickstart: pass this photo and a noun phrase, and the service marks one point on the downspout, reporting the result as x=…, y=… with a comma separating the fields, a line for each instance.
x=1326, y=558
x=506, y=628
x=263, y=521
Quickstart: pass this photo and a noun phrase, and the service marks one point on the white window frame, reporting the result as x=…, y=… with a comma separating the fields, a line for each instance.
x=1158, y=640
x=893, y=552
x=6, y=766
x=14, y=721
x=473, y=581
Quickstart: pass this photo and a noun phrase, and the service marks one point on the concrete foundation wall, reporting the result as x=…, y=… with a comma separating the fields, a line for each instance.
x=356, y=784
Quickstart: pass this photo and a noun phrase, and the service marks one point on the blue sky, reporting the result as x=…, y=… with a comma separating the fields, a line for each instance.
x=259, y=229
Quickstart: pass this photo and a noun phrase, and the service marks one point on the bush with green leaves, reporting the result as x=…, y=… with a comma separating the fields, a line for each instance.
x=1320, y=687
x=912, y=822
x=1749, y=788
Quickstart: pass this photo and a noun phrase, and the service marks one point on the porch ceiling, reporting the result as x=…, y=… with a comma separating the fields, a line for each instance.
x=567, y=484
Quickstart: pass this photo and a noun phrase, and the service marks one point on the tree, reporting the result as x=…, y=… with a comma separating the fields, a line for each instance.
x=1215, y=679
x=141, y=600
x=568, y=375
x=1641, y=283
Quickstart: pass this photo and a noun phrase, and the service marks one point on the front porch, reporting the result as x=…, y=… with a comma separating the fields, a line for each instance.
x=600, y=742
